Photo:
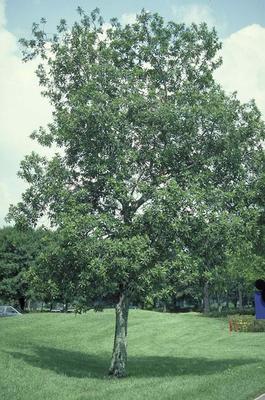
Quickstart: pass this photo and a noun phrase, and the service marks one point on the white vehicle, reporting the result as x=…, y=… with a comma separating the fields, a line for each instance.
x=8, y=311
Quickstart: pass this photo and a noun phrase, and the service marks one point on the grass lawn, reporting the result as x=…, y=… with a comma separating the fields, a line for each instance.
x=171, y=356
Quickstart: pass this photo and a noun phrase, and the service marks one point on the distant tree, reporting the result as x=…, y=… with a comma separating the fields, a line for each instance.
x=206, y=236
x=18, y=252
x=135, y=108
x=55, y=275
x=244, y=265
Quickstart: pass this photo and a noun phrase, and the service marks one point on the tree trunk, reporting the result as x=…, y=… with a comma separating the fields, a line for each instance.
x=119, y=354
x=235, y=303
x=65, y=306
x=227, y=302
x=206, y=303
x=219, y=302
x=28, y=304
x=22, y=302
x=240, y=299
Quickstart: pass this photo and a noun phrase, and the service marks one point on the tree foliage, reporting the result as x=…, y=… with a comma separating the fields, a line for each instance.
x=18, y=253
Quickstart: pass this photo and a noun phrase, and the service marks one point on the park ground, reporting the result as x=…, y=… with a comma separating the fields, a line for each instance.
x=171, y=356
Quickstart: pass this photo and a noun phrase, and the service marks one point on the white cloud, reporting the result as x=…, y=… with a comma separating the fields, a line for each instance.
x=194, y=13
x=2, y=14
x=22, y=109
x=243, y=68
x=102, y=36
x=128, y=18
x=3, y=193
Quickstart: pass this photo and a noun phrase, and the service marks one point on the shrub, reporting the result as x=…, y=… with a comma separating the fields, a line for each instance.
x=247, y=323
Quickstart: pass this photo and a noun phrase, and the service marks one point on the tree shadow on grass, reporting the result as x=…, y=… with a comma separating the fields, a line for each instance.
x=82, y=365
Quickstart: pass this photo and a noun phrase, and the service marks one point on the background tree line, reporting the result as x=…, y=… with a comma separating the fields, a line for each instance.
x=40, y=265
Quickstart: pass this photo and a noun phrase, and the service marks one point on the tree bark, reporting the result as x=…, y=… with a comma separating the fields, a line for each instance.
x=206, y=303
x=119, y=354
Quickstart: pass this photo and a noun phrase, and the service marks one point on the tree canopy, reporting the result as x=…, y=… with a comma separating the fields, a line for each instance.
x=18, y=253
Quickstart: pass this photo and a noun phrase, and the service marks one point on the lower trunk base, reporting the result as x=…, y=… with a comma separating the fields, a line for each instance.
x=119, y=354
x=119, y=360
x=118, y=370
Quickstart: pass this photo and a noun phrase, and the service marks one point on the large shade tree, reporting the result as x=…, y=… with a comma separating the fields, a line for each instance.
x=135, y=107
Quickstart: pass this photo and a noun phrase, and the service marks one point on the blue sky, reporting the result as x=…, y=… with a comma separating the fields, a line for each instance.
x=230, y=15
x=240, y=25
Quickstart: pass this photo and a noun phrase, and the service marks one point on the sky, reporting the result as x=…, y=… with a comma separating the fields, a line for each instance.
x=239, y=23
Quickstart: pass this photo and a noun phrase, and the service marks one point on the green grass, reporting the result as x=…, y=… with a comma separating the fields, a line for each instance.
x=171, y=356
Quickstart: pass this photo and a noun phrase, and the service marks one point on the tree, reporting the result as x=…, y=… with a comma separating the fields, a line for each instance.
x=55, y=274
x=244, y=265
x=135, y=108
x=216, y=228
x=18, y=253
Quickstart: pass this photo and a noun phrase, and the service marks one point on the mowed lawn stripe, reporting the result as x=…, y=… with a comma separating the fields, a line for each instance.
x=171, y=356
